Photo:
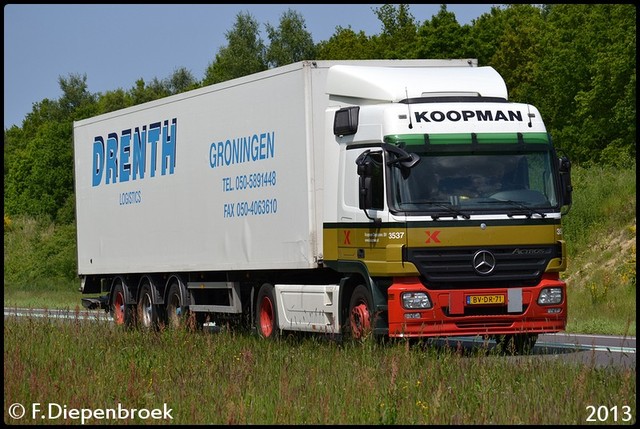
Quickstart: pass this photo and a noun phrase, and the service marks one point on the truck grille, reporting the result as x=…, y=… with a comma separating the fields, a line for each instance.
x=454, y=267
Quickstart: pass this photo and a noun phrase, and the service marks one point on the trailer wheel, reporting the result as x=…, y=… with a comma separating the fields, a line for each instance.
x=267, y=315
x=360, y=312
x=516, y=344
x=176, y=305
x=122, y=313
x=147, y=311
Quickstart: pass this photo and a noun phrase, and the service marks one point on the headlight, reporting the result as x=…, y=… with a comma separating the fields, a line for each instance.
x=416, y=300
x=550, y=296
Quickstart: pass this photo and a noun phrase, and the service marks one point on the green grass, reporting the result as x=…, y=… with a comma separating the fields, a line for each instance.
x=235, y=378
x=600, y=231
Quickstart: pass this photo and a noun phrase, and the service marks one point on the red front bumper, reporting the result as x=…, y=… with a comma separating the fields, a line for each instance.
x=454, y=313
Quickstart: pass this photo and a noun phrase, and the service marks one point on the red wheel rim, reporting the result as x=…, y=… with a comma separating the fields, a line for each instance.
x=118, y=308
x=360, y=320
x=266, y=317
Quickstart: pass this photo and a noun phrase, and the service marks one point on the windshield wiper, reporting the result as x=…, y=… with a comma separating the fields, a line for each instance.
x=529, y=211
x=445, y=205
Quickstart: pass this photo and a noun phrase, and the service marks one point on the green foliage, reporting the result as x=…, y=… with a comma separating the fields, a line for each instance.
x=346, y=44
x=75, y=95
x=485, y=36
x=180, y=81
x=290, y=42
x=245, y=53
x=39, y=175
x=586, y=81
x=37, y=250
x=398, y=38
x=443, y=37
x=519, y=50
x=114, y=100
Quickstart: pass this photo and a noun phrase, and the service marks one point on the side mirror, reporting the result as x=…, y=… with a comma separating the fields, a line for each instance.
x=565, y=180
x=370, y=183
x=365, y=174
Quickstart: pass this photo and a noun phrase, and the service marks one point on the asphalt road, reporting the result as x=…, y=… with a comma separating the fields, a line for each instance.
x=598, y=350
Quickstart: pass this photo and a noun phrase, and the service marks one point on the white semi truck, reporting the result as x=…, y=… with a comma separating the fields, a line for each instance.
x=400, y=198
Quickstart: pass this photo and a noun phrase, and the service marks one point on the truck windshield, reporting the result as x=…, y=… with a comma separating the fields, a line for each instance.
x=462, y=183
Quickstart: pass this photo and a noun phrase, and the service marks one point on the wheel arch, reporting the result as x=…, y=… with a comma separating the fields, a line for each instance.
x=157, y=294
x=129, y=294
x=182, y=285
x=356, y=273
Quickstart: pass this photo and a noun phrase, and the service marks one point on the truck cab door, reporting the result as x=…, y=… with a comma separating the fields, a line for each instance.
x=364, y=234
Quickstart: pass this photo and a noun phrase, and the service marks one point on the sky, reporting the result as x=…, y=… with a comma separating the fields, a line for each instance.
x=114, y=45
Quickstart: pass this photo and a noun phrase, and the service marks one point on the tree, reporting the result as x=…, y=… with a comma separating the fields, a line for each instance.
x=443, y=37
x=290, y=42
x=39, y=176
x=113, y=100
x=40, y=179
x=181, y=80
x=399, y=32
x=75, y=93
x=586, y=80
x=244, y=54
x=485, y=34
x=519, y=50
x=345, y=44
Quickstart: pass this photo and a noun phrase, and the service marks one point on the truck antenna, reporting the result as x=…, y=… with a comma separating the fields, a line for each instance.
x=408, y=107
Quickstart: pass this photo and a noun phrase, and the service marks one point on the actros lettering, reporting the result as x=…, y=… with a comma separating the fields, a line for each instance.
x=123, y=157
x=468, y=115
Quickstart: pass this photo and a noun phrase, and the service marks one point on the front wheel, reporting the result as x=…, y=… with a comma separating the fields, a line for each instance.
x=360, y=313
x=267, y=314
x=516, y=344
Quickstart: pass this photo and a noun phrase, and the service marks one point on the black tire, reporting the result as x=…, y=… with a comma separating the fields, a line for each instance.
x=147, y=311
x=123, y=314
x=267, y=313
x=360, y=319
x=516, y=344
x=176, y=307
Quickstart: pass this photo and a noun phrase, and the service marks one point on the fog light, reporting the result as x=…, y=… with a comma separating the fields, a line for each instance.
x=411, y=300
x=412, y=315
x=554, y=310
x=550, y=296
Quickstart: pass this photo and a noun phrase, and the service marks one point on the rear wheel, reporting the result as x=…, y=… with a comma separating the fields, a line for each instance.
x=122, y=313
x=147, y=311
x=360, y=313
x=267, y=315
x=516, y=344
x=176, y=305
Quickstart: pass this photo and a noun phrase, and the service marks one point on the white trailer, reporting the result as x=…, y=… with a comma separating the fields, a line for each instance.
x=244, y=198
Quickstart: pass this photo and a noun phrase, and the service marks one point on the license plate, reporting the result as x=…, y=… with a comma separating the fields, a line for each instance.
x=485, y=299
